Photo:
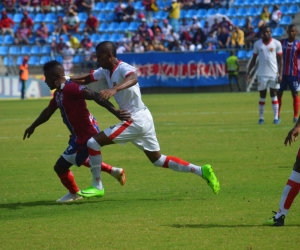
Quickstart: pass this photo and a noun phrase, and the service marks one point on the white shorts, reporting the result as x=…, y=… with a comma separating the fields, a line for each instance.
x=264, y=82
x=140, y=132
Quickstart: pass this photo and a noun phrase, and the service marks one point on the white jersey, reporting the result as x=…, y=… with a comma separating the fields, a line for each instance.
x=127, y=99
x=267, y=57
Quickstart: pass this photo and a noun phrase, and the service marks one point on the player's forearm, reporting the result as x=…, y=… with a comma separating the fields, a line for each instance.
x=82, y=80
x=129, y=81
x=280, y=65
x=43, y=117
x=252, y=63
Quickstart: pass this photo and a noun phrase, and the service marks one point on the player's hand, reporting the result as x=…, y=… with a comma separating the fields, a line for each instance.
x=28, y=132
x=292, y=136
x=107, y=93
x=279, y=78
x=124, y=115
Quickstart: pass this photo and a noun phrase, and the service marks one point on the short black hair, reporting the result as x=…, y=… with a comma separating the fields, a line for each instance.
x=108, y=47
x=291, y=26
x=51, y=65
x=265, y=27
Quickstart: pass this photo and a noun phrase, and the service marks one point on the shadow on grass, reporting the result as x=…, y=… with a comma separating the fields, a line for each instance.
x=218, y=226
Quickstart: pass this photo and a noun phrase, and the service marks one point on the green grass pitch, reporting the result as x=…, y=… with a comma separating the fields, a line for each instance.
x=157, y=208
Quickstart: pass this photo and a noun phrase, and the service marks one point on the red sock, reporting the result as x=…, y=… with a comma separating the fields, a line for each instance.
x=175, y=159
x=67, y=179
x=296, y=104
x=104, y=167
x=292, y=193
x=279, y=103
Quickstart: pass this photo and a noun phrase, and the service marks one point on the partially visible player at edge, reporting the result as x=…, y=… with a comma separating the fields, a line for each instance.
x=269, y=71
x=123, y=85
x=292, y=186
x=70, y=98
x=291, y=54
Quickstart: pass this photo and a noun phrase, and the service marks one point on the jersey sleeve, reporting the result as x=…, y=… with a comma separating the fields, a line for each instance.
x=255, y=49
x=278, y=48
x=127, y=70
x=74, y=91
x=52, y=102
x=97, y=74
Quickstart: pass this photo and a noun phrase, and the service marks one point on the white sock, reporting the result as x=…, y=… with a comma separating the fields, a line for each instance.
x=275, y=106
x=261, y=107
x=95, y=162
x=177, y=164
x=289, y=193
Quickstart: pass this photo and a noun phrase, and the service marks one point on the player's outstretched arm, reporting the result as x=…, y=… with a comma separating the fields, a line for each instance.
x=128, y=82
x=82, y=80
x=43, y=117
x=122, y=115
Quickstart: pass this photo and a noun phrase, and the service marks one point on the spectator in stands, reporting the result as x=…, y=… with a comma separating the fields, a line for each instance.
x=68, y=53
x=129, y=12
x=188, y=4
x=194, y=26
x=45, y=6
x=166, y=28
x=23, y=75
x=24, y=5
x=212, y=38
x=78, y=4
x=22, y=35
x=41, y=34
x=264, y=16
x=59, y=26
x=28, y=20
x=225, y=23
x=68, y=5
x=60, y=46
x=143, y=27
x=149, y=11
x=88, y=5
x=6, y=24
x=206, y=29
x=215, y=26
x=126, y=40
x=87, y=58
x=75, y=44
x=148, y=46
x=194, y=47
x=247, y=27
x=174, y=14
x=184, y=26
x=171, y=38
x=217, y=4
x=207, y=4
x=85, y=41
x=237, y=38
x=35, y=6
x=9, y=6
x=178, y=46
x=71, y=22
x=250, y=38
x=210, y=46
x=56, y=5
x=199, y=38
x=275, y=16
x=158, y=41
x=53, y=46
x=120, y=48
x=155, y=26
x=138, y=47
x=119, y=11
x=92, y=24
x=224, y=38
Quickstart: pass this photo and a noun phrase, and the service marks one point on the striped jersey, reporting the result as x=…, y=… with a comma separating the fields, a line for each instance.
x=291, y=54
x=80, y=122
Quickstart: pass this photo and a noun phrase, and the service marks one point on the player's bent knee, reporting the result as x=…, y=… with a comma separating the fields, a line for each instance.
x=92, y=143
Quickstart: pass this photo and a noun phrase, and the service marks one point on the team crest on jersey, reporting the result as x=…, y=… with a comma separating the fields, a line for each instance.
x=81, y=87
x=271, y=49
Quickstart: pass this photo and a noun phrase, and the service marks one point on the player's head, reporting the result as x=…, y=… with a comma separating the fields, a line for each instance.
x=292, y=31
x=106, y=54
x=54, y=74
x=266, y=33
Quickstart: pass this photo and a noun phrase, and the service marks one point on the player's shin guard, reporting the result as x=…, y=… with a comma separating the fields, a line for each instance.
x=95, y=162
x=275, y=107
x=290, y=192
x=261, y=107
x=67, y=179
x=296, y=103
x=104, y=166
x=177, y=164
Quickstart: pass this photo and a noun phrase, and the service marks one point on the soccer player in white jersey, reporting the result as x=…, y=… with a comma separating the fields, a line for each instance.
x=123, y=85
x=269, y=72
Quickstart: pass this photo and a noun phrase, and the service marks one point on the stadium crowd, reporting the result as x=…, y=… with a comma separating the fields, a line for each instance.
x=173, y=33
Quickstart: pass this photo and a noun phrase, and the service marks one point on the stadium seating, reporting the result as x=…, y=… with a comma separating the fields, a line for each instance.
x=286, y=20
x=44, y=59
x=103, y=27
x=123, y=26
x=25, y=50
x=110, y=6
x=99, y=6
x=59, y=58
x=3, y=50
x=33, y=61
x=14, y=50
x=242, y=55
x=95, y=38
x=113, y=27
x=293, y=10
x=82, y=16
x=8, y=61
x=190, y=13
x=249, y=54
x=35, y=50
x=211, y=12
x=8, y=40
x=116, y=37
x=39, y=17
x=50, y=18
x=133, y=26
x=17, y=17
x=278, y=32
x=78, y=59
x=46, y=49
x=19, y=60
